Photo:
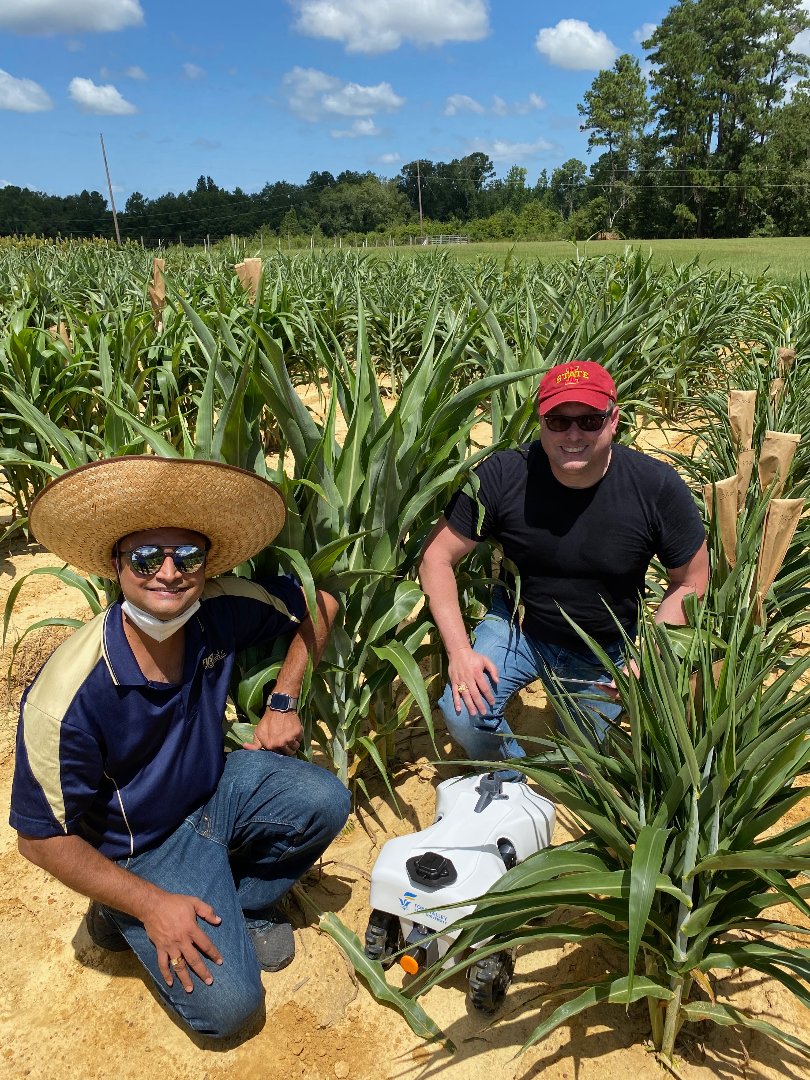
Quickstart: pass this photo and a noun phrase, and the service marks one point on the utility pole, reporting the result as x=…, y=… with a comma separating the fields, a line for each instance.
x=109, y=188
x=419, y=194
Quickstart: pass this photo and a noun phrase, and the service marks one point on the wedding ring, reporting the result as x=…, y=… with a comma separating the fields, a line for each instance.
x=176, y=961
x=462, y=687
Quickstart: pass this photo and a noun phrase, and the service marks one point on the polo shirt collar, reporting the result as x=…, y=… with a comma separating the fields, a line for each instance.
x=120, y=659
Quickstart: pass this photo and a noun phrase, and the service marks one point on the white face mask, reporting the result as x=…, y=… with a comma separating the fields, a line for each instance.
x=154, y=628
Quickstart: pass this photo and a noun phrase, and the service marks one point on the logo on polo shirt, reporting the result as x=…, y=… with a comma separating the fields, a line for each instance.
x=212, y=659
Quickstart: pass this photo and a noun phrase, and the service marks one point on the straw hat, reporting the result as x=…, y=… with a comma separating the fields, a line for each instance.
x=81, y=514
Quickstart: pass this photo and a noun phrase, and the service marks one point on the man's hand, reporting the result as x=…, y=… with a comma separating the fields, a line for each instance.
x=172, y=927
x=471, y=676
x=610, y=688
x=278, y=731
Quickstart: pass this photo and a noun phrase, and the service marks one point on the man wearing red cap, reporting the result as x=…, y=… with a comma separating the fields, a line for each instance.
x=580, y=517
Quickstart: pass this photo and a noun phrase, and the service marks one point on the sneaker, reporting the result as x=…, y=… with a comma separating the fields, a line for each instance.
x=102, y=930
x=273, y=941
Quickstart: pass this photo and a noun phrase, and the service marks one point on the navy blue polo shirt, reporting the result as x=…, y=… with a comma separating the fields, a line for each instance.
x=107, y=755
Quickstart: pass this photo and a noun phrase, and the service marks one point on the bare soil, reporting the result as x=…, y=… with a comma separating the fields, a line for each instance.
x=68, y=1009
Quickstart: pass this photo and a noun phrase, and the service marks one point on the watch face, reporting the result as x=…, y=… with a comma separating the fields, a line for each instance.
x=282, y=702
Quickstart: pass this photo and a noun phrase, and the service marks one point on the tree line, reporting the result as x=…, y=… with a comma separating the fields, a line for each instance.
x=714, y=142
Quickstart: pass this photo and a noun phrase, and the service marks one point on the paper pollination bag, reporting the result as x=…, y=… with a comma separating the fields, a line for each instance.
x=249, y=273
x=781, y=520
x=61, y=331
x=775, y=459
x=741, y=405
x=745, y=466
x=785, y=359
x=776, y=390
x=721, y=503
x=157, y=292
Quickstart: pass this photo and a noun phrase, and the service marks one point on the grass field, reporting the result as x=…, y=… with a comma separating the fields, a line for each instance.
x=782, y=258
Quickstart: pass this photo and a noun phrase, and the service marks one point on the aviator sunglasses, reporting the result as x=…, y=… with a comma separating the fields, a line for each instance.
x=594, y=421
x=146, y=559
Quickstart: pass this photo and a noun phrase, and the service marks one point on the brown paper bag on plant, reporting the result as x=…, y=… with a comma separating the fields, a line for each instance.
x=781, y=519
x=745, y=466
x=721, y=501
x=776, y=390
x=157, y=292
x=741, y=404
x=249, y=272
x=697, y=685
x=61, y=331
x=775, y=458
x=784, y=361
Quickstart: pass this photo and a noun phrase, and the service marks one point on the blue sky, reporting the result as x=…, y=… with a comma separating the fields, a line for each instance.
x=261, y=90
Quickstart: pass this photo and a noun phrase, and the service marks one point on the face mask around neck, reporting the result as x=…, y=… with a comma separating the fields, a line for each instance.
x=154, y=628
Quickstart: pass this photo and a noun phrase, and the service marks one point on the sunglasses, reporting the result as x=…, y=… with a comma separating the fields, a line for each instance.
x=593, y=421
x=146, y=559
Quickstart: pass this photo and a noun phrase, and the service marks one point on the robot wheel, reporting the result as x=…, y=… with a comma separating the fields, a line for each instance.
x=489, y=980
x=383, y=937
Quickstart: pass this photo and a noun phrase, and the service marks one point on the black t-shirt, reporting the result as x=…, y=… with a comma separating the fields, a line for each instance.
x=581, y=549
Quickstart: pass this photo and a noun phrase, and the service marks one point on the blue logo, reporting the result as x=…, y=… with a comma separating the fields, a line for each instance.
x=406, y=900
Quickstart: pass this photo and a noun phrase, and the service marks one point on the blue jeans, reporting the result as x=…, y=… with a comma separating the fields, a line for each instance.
x=269, y=820
x=521, y=660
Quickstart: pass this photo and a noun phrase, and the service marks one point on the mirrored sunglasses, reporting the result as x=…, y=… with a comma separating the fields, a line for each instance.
x=146, y=559
x=594, y=421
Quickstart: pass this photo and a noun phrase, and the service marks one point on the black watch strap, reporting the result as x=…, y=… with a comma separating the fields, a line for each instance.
x=282, y=702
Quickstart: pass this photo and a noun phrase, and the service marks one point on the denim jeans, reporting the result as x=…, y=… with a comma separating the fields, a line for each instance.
x=521, y=660
x=269, y=820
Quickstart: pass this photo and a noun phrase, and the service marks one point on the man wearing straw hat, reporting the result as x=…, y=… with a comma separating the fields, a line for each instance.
x=122, y=789
x=580, y=517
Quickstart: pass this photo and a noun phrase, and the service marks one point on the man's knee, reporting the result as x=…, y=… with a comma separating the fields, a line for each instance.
x=329, y=800
x=225, y=1011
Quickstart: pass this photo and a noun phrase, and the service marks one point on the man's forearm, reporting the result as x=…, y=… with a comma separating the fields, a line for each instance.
x=439, y=584
x=670, y=610
x=77, y=864
x=692, y=577
x=309, y=640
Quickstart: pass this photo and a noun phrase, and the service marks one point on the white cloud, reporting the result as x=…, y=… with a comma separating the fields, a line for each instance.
x=457, y=103
x=313, y=95
x=645, y=31
x=48, y=17
x=389, y=159
x=130, y=73
x=574, y=45
x=376, y=26
x=359, y=129
x=192, y=72
x=521, y=108
x=22, y=95
x=801, y=43
x=102, y=100
x=513, y=152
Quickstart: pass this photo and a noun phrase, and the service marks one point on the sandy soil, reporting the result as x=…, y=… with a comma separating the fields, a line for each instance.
x=68, y=1009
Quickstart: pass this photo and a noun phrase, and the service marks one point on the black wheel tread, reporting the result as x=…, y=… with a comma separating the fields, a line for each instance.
x=383, y=937
x=489, y=980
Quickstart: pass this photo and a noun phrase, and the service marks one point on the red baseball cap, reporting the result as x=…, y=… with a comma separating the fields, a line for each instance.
x=577, y=380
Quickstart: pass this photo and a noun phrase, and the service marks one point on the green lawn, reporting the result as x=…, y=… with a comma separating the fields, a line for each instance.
x=784, y=258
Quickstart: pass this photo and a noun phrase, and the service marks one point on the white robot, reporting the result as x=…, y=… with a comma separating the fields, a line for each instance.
x=483, y=827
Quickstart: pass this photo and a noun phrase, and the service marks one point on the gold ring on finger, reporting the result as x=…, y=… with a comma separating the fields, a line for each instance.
x=176, y=961
x=462, y=688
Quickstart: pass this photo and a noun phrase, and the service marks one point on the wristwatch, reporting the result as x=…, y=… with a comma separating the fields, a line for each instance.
x=282, y=702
